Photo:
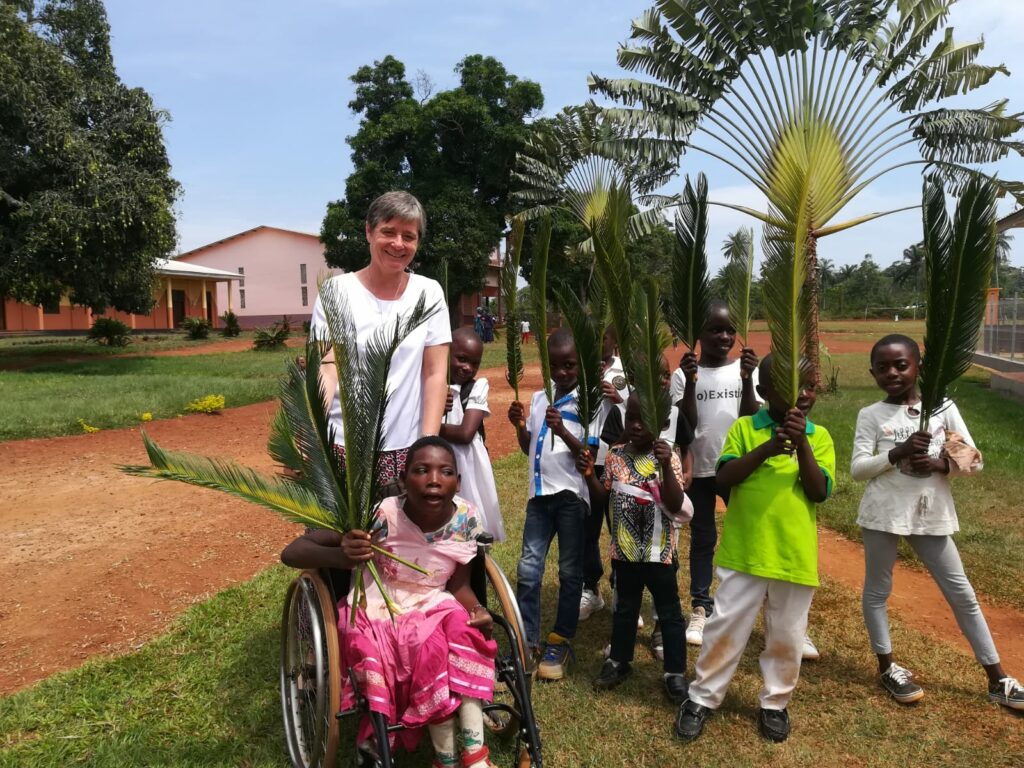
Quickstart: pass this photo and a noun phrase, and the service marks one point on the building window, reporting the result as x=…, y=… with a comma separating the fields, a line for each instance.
x=302, y=279
x=305, y=295
x=241, y=283
x=241, y=298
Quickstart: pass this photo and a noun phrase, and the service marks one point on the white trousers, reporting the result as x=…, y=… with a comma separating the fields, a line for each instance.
x=738, y=600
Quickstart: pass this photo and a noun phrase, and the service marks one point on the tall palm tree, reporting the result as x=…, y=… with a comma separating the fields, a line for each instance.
x=811, y=101
x=1002, y=257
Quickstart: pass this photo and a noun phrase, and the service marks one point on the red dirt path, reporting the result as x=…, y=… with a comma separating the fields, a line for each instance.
x=96, y=562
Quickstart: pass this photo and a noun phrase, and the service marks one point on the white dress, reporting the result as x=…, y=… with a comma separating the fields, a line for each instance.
x=475, y=463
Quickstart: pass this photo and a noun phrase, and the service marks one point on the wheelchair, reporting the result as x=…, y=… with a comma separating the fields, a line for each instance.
x=310, y=675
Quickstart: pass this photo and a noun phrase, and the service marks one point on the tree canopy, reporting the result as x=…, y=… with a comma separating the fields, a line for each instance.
x=454, y=151
x=86, y=195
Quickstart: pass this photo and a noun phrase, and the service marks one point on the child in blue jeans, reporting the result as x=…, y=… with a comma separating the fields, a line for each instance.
x=558, y=506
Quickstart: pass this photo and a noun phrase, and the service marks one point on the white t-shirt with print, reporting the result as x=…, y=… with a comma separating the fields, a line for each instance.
x=719, y=394
x=552, y=465
x=615, y=375
x=405, y=409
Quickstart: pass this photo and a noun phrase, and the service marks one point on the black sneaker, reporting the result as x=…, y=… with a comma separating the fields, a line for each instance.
x=676, y=687
x=1007, y=692
x=899, y=682
x=612, y=673
x=774, y=724
x=690, y=720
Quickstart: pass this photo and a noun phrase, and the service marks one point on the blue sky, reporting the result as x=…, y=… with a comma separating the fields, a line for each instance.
x=257, y=93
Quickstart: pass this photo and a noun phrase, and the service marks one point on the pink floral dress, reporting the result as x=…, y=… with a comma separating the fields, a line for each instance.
x=415, y=668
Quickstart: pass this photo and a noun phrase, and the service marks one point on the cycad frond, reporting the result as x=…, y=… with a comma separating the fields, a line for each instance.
x=958, y=265
x=539, y=300
x=690, y=295
x=510, y=295
x=588, y=332
x=787, y=311
x=281, y=444
x=613, y=268
x=739, y=250
x=643, y=358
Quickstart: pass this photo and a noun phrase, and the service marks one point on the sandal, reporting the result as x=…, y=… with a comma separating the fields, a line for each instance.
x=478, y=759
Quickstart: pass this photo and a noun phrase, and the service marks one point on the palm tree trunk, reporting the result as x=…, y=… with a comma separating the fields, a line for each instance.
x=812, y=351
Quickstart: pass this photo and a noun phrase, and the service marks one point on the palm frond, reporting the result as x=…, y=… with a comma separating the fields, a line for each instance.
x=614, y=271
x=739, y=250
x=690, y=289
x=539, y=299
x=281, y=443
x=588, y=332
x=643, y=359
x=958, y=265
x=787, y=311
x=510, y=296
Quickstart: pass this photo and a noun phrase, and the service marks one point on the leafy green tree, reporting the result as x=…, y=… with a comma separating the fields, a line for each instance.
x=454, y=151
x=811, y=101
x=86, y=195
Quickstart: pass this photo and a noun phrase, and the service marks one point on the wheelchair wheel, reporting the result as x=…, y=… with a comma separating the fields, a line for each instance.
x=511, y=712
x=309, y=677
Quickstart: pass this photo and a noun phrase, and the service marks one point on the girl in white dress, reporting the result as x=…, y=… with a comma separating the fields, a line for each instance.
x=463, y=427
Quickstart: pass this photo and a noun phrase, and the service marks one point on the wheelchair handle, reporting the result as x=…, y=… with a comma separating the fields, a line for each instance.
x=485, y=541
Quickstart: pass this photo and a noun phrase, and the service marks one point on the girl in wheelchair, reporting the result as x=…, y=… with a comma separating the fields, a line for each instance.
x=435, y=658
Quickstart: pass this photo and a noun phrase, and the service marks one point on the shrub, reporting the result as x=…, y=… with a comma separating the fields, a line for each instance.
x=273, y=337
x=110, y=332
x=208, y=404
x=305, y=327
x=196, y=327
x=285, y=324
x=231, y=327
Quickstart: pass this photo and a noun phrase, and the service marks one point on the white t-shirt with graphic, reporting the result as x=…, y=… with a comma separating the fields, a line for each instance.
x=405, y=409
x=615, y=375
x=719, y=393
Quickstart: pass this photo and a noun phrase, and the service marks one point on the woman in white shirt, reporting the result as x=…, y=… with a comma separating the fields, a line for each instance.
x=378, y=296
x=908, y=495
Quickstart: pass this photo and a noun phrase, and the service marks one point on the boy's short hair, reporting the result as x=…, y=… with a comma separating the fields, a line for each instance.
x=561, y=339
x=397, y=205
x=466, y=334
x=896, y=338
x=429, y=441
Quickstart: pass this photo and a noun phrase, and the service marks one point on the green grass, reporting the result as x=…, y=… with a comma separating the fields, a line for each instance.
x=49, y=400
x=989, y=505
x=205, y=695
x=19, y=351
x=494, y=354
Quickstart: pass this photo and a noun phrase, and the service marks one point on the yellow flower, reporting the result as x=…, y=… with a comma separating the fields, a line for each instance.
x=147, y=416
x=208, y=404
x=87, y=428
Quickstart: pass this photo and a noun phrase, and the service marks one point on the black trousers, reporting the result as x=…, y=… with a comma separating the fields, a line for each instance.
x=592, y=568
x=660, y=579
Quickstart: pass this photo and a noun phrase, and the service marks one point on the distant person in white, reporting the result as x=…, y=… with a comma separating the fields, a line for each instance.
x=378, y=295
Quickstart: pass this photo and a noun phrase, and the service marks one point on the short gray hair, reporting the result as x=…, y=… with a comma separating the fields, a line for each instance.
x=397, y=205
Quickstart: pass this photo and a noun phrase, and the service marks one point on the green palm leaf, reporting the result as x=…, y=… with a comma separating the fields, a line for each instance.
x=739, y=250
x=614, y=271
x=787, y=311
x=958, y=265
x=690, y=292
x=642, y=360
x=588, y=332
x=539, y=300
x=510, y=294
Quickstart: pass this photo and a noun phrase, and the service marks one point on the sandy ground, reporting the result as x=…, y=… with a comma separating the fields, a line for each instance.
x=96, y=562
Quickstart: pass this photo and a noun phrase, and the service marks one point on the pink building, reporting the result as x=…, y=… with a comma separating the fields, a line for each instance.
x=278, y=270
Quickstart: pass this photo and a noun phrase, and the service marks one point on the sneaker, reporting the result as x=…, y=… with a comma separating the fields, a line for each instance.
x=607, y=651
x=612, y=673
x=899, y=682
x=555, y=661
x=1007, y=692
x=590, y=601
x=695, y=629
x=658, y=644
x=810, y=651
x=690, y=720
x=774, y=724
x=676, y=687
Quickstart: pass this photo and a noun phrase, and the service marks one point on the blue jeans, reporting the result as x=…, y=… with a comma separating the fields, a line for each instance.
x=563, y=514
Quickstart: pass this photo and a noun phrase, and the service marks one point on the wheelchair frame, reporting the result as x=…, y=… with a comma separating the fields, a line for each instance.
x=310, y=672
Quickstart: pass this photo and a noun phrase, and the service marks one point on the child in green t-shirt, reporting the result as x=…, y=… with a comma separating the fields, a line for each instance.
x=777, y=466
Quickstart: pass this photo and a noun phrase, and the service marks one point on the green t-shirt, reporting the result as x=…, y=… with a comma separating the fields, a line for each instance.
x=770, y=527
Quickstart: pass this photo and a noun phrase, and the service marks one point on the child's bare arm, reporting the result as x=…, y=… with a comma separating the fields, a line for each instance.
x=813, y=480
x=460, y=589
x=463, y=434
x=553, y=418
x=517, y=415
x=671, y=490
x=735, y=471
x=328, y=549
x=585, y=466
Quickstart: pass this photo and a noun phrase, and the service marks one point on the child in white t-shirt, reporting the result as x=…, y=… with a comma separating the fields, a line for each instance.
x=714, y=392
x=463, y=427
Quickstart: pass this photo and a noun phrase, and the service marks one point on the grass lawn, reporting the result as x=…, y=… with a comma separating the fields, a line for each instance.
x=205, y=695
x=494, y=353
x=25, y=350
x=49, y=400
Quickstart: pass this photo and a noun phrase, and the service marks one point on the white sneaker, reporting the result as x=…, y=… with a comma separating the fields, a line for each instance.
x=695, y=629
x=810, y=651
x=590, y=601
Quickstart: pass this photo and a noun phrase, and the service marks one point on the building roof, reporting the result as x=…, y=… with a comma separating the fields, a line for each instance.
x=1015, y=219
x=247, y=232
x=170, y=268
